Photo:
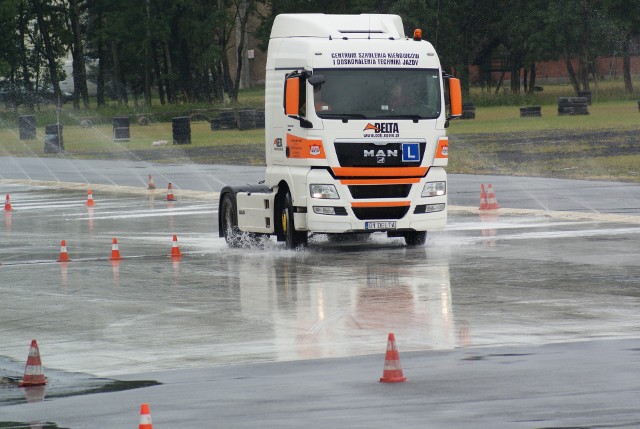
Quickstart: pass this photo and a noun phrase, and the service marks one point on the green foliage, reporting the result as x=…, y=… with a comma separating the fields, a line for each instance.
x=177, y=51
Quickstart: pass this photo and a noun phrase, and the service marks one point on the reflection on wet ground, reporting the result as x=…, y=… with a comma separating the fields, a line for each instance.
x=486, y=280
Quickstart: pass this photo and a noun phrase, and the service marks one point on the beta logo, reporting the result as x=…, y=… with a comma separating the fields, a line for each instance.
x=382, y=129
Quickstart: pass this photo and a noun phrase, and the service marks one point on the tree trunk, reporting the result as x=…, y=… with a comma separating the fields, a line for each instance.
x=52, y=60
x=500, y=81
x=584, y=70
x=79, y=68
x=158, y=76
x=532, y=78
x=171, y=90
x=243, y=17
x=118, y=82
x=23, y=54
x=147, y=59
x=218, y=90
x=626, y=66
x=102, y=61
x=571, y=72
x=515, y=76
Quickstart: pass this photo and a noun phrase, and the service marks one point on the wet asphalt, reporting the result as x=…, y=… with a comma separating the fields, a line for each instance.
x=526, y=317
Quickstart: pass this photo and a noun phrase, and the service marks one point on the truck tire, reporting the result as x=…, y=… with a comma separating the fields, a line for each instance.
x=228, y=222
x=293, y=238
x=415, y=238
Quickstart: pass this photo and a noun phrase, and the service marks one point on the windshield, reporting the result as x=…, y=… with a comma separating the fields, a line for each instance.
x=378, y=94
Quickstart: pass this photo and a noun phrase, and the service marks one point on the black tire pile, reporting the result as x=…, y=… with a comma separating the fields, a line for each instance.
x=530, y=111
x=468, y=111
x=573, y=106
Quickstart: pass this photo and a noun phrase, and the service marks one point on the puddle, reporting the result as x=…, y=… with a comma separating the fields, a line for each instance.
x=32, y=425
x=62, y=385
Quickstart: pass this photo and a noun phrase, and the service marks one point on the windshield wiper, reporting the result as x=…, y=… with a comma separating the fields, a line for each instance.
x=344, y=116
x=413, y=117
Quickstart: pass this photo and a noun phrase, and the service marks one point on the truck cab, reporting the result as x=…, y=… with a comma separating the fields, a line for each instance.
x=355, y=133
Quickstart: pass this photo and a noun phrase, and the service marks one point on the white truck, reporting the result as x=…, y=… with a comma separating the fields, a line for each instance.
x=355, y=126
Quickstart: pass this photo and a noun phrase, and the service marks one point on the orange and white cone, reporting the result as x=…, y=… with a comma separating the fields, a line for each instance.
x=7, y=204
x=492, y=203
x=175, y=250
x=115, y=252
x=64, y=256
x=483, y=198
x=170, y=196
x=392, y=369
x=151, y=185
x=33, y=374
x=90, y=201
x=145, y=417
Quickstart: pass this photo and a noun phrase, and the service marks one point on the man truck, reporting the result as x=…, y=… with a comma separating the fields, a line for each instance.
x=355, y=126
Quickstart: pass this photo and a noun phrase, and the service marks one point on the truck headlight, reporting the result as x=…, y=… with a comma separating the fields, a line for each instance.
x=434, y=189
x=324, y=191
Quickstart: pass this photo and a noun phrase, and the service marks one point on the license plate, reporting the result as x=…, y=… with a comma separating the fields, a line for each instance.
x=379, y=225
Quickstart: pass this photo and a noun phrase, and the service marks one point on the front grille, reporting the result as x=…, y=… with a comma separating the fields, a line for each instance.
x=392, y=154
x=369, y=213
x=379, y=191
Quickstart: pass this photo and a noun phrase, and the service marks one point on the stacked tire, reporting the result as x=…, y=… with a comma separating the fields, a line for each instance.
x=228, y=120
x=530, y=111
x=573, y=106
x=468, y=111
x=260, y=118
x=585, y=94
x=181, y=129
x=246, y=119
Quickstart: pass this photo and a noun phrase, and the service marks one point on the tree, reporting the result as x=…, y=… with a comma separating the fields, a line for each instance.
x=578, y=29
x=77, y=52
x=50, y=20
x=626, y=16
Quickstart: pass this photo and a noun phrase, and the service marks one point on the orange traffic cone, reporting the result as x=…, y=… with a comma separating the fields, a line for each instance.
x=175, y=250
x=483, y=198
x=64, y=256
x=151, y=186
x=492, y=203
x=145, y=417
x=115, y=252
x=33, y=375
x=7, y=204
x=170, y=196
x=90, y=202
x=392, y=370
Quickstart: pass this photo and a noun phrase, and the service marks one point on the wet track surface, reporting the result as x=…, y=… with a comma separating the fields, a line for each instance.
x=488, y=280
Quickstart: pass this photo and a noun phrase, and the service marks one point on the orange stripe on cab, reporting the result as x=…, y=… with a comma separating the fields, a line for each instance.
x=443, y=148
x=301, y=148
x=380, y=181
x=380, y=171
x=381, y=204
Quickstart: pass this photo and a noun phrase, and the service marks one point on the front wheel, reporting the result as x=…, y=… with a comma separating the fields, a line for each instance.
x=415, y=238
x=228, y=222
x=293, y=238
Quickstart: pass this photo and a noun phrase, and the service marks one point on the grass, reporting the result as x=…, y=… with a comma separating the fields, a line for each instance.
x=603, y=91
x=500, y=119
x=602, y=145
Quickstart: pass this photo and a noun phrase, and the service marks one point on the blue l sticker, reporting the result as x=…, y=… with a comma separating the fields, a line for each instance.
x=410, y=152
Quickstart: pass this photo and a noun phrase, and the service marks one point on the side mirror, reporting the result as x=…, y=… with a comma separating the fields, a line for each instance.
x=292, y=96
x=455, y=98
x=295, y=99
x=316, y=79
